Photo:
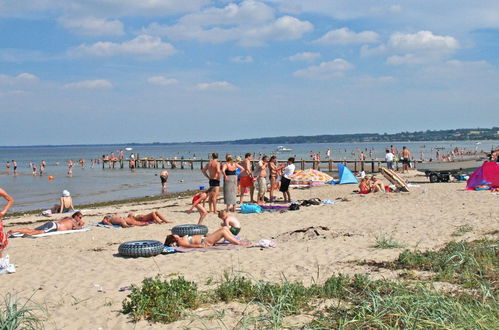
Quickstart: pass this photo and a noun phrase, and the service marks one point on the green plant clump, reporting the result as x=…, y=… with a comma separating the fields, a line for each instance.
x=383, y=242
x=17, y=315
x=468, y=263
x=387, y=305
x=161, y=301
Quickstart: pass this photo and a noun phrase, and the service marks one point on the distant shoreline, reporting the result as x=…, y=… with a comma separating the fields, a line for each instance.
x=453, y=135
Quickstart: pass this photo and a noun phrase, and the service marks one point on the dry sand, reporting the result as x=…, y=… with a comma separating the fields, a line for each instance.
x=78, y=276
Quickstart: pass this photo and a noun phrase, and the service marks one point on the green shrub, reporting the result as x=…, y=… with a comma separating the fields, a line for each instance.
x=161, y=301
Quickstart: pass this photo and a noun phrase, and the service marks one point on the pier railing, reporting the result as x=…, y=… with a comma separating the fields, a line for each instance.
x=172, y=163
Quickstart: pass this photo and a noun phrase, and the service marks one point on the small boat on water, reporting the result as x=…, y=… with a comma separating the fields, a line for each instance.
x=283, y=149
x=456, y=165
x=128, y=149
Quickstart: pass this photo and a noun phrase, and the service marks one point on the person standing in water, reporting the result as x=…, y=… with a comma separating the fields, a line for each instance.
x=164, y=178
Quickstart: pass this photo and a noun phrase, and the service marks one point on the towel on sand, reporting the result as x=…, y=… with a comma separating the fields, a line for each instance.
x=52, y=233
x=218, y=246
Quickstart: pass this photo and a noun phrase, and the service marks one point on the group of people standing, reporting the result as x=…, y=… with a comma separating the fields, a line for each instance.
x=241, y=176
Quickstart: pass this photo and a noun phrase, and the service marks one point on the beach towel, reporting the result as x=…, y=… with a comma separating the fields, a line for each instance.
x=52, y=233
x=48, y=213
x=250, y=208
x=100, y=224
x=216, y=247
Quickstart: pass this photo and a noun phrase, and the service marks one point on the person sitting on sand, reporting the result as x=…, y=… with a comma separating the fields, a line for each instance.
x=376, y=184
x=230, y=221
x=65, y=204
x=127, y=222
x=68, y=223
x=154, y=216
x=364, y=186
x=198, y=202
x=200, y=241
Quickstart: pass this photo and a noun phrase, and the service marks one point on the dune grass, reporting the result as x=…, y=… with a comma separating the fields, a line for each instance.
x=385, y=242
x=363, y=303
x=18, y=314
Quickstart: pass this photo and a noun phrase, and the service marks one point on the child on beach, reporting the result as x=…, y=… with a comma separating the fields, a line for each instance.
x=198, y=202
x=230, y=221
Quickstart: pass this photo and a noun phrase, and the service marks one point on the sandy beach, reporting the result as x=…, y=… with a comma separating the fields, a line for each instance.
x=78, y=276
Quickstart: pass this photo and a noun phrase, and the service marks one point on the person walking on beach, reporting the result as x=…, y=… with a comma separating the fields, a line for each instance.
x=246, y=179
x=328, y=154
x=42, y=168
x=14, y=165
x=7, y=167
x=406, y=159
x=4, y=239
x=34, y=169
x=164, y=178
x=229, y=170
x=212, y=172
x=389, y=159
x=286, y=179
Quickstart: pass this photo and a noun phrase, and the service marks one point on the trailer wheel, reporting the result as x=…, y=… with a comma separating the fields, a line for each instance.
x=433, y=178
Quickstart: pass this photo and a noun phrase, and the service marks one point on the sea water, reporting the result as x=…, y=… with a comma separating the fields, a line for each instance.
x=88, y=185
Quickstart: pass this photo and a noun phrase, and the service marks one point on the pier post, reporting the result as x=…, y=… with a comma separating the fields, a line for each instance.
x=192, y=165
x=201, y=162
x=372, y=166
x=302, y=165
x=330, y=165
x=355, y=166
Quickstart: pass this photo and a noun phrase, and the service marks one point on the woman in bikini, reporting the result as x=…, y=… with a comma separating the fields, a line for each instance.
x=229, y=169
x=199, y=241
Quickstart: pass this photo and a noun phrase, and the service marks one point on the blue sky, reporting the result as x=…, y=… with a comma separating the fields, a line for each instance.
x=109, y=71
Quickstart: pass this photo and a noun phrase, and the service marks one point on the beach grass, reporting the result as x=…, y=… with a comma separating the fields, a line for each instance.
x=18, y=314
x=461, y=230
x=386, y=242
x=473, y=301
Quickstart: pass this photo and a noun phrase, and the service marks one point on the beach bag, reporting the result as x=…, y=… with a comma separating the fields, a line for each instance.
x=250, y=208
x=294, y=207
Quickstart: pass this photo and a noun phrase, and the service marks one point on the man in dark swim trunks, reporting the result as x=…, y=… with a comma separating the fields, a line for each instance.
x=67, y=223
x=212, y=171
x=164, y=178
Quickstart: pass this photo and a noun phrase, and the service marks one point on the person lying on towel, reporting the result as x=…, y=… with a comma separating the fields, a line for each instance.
x=200, y=241
x=68, y=223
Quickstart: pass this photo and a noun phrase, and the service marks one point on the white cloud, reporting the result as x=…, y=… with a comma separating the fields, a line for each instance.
x=162, y=81
x=215, y=86
x=92, y=26
x=23, y=78
x=305, y=56
x=242, y=59
x=142, y=46
x=325, y=70
x=345, y=36
x=89, y=84
x=249, y=23
x=247, y=12
x=422, y=41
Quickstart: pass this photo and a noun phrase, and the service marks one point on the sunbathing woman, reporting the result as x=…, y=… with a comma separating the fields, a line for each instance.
x=154, y=216
x=199, y=241
x=114, y=219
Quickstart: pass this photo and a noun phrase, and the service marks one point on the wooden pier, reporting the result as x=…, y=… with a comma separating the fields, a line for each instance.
x=172, y=163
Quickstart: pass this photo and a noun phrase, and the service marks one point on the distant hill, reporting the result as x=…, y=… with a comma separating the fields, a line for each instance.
x=460, y=134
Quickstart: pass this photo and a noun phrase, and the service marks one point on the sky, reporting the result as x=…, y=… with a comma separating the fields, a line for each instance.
x=109, y=71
